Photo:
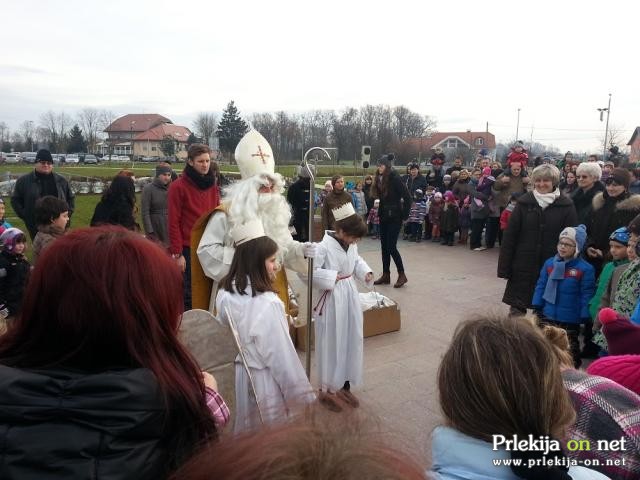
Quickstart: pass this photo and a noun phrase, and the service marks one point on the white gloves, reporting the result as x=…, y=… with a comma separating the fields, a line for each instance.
x=310, y=249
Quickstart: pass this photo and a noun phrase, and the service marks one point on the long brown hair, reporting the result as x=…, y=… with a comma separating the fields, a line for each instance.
x=501, y=376
x=248, y=266
x=380, y=183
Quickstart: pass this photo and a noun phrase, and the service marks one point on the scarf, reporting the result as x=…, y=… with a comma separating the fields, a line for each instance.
x=557, y=274
x=203, y=182
x=546, y=199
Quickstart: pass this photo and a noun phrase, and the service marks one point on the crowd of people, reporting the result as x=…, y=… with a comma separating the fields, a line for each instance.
x=91, y=354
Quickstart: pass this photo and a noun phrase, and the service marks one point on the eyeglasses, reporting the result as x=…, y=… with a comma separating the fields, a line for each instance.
x=566, y=245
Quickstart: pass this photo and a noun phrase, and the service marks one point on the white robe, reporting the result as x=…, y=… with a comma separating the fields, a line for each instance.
x=215, y=250
x=280, y=381
x=338, y=319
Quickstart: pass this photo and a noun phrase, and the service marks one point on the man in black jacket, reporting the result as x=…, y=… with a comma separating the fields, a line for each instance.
x=39, y=183
x=414, y=181
x=298, y=198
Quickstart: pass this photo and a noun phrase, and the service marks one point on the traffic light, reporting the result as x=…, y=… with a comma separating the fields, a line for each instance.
x=365, y=156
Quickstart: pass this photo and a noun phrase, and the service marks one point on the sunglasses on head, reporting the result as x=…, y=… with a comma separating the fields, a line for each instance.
x=612, y=181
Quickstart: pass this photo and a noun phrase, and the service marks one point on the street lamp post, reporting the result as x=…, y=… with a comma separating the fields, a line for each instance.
x=518, y=125
x=606, y=128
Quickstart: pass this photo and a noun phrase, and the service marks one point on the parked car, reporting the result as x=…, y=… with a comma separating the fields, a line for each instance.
x=149, y=159
x=72, y=158
x=28, y=157
x=12, y=158
x=90, y=159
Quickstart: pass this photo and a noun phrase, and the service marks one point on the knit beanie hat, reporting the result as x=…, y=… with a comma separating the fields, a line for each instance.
x=376, y=202
x=622, y=369
x=578, y=235
x=328, y=184
x=10, y=237
x=621, y=176
x=437, y=195
x=44, y=155
x=160, y=169
x=621, y=235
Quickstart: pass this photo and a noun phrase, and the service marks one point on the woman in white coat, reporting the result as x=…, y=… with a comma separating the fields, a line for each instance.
x=337, y=311
x=246, y=295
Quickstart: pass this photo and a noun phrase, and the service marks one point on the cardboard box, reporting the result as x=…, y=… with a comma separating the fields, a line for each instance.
x=376, y=322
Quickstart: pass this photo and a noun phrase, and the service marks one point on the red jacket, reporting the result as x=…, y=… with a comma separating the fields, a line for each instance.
x=186, y=203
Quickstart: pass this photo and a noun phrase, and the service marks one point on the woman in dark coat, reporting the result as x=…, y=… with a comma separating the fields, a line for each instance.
x=532, y=236
x=611, y=209
x=395, y=204
x=97, y=385
x=588, y=177
x=117, y=205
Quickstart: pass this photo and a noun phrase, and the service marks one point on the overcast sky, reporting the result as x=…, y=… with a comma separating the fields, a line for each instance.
x=464, y=63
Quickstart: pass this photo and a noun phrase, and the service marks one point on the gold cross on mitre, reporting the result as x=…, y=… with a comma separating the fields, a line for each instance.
x=261, y=154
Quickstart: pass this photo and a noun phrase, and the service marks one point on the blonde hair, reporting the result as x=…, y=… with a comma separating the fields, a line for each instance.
x=546, y=171
x=501, y=376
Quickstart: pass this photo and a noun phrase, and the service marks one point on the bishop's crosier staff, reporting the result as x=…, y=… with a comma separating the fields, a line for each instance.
x=312, y=178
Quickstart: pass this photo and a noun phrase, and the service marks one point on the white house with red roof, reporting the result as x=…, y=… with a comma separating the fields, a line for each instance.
x=141, y=135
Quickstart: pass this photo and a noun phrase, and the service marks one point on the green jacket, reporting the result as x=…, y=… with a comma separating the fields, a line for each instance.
x=603, y=281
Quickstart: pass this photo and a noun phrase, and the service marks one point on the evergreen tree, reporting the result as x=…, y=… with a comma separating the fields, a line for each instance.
x=231, y=128
x=76, y=142
x=168, y=146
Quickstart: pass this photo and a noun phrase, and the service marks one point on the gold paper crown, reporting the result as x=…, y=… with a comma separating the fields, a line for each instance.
x=343, y=211
x=254, y=155
x=247, y=231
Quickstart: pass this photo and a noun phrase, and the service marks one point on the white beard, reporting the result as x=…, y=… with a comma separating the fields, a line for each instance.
x=245, y=203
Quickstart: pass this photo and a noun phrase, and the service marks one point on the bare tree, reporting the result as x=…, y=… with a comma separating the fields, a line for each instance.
x=205, y=125
x=27, y=130
x=89, y=120
x=4, y=132
x=48, y=123
x=106, y=118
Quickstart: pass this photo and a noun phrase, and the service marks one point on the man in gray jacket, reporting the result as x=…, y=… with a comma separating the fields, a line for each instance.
x=154, y=205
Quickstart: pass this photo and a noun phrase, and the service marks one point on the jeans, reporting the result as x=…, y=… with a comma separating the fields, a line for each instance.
x=388, y=242
x=186, y=283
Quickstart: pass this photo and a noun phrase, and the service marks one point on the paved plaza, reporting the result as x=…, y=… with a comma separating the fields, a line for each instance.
x=446, y=284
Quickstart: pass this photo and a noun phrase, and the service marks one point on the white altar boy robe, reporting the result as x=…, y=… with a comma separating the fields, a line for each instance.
x=278, y=376
x=337, y=313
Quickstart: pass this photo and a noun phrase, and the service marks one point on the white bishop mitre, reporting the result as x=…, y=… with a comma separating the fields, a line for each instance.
x=247, y=231
x=254, y=155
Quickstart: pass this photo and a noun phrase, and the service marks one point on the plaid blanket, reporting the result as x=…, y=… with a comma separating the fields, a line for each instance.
x=605, y=411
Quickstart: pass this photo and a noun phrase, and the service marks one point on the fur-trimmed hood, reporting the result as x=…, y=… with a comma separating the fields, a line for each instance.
x=631, y=202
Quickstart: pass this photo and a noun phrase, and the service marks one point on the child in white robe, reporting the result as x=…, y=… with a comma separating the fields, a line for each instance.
x=247, y=295
x=337, y=311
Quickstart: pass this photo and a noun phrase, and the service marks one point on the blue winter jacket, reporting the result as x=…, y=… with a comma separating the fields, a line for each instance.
x=573, y=294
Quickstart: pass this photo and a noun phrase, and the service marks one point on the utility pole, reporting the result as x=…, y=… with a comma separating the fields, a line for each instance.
x=606, y=128
x=518, y=125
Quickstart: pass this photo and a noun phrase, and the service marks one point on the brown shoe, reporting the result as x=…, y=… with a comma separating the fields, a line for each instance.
x=385, y=279
x=330, y=400
x=402, y=279
x=348, y=398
